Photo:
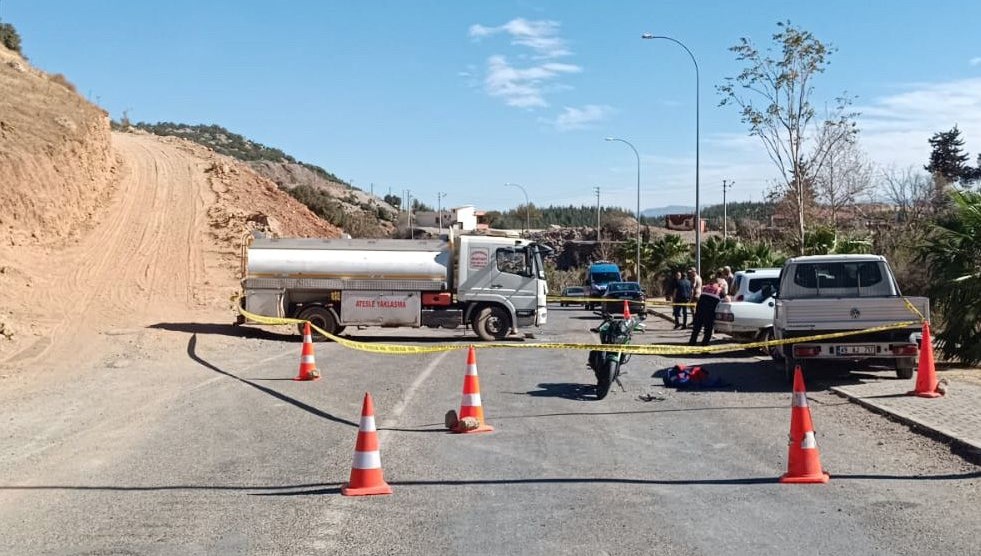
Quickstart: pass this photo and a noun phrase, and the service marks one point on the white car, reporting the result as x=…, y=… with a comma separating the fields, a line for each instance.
x=749, y=320
x=752, y=280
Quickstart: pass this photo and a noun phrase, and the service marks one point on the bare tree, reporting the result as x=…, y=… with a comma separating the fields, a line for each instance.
x=844, y=176
x=909, y=189
x=785, y=122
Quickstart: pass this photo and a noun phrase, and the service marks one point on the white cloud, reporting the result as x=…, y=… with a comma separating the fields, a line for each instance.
x=573, y=118
x=522, y=87
x=525, y=85
x=895, y=128
x=976, y=61
x=541, y=36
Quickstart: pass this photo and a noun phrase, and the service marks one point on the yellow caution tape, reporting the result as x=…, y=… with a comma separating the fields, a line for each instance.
x=914, y=310
x=641, y=349
x=598, y=300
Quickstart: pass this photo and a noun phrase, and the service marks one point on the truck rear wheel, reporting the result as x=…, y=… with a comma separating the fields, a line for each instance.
x=492, y=323
x=904, y=368
x=322, y=318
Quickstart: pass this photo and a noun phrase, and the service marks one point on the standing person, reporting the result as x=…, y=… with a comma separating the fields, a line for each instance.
x=725, y=288
x=696, y=283
x=728, y=275
x=705, y=312
x=681, y=293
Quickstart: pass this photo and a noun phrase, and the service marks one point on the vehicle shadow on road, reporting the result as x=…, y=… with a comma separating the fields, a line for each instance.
x=566, y=390
x=226, y=330
x=765, y=376
x=191, y=348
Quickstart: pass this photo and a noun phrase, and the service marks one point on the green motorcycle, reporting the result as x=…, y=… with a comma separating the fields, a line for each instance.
x=606, y=364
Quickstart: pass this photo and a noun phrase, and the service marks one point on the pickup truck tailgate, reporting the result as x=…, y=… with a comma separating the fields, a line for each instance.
x=851, y=313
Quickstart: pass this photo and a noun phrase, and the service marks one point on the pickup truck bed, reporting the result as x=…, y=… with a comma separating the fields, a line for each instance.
x=796, y=318
x=851, y=313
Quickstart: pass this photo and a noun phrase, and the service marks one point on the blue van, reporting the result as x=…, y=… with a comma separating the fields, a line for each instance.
x=599, y=275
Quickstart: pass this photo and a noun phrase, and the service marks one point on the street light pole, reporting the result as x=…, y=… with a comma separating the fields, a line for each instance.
x=527, y=205
x=698, y=206
x=637, y=268
x=439, y=209
x=599, y=229
x=725, y=208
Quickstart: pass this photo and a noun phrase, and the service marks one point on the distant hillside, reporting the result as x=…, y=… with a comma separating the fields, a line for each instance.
x=357, y=212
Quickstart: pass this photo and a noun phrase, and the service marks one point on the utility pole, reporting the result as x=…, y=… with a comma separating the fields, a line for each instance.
x=408, y=208
x=439, y=209
x=599, y=230
x=372, y=186
x=726, y=184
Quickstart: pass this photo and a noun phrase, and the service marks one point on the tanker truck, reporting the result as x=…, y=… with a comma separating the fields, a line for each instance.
x=491, y=283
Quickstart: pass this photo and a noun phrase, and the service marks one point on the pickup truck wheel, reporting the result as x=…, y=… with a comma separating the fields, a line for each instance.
x=775, y=352
x=904, y=368
x=492, y=323
x=321, y=317
x=788, y=368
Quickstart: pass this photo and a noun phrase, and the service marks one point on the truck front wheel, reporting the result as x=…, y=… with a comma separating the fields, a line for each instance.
x=322, y=318
x=492, y=323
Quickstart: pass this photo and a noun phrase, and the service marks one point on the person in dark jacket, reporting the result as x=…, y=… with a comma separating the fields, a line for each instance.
x=705, y=312
x=680, y=293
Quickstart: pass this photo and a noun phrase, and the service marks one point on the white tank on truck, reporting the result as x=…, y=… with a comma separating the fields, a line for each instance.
x=492, y=283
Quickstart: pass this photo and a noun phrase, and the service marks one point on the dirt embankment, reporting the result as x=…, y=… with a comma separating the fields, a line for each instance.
x=115, y=231
x=56, y=164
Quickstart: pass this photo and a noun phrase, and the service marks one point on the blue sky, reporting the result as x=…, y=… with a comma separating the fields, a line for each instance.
x=461, y=97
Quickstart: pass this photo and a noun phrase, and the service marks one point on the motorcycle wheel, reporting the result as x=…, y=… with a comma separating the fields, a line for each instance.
x=596, y=359
x=605, y=378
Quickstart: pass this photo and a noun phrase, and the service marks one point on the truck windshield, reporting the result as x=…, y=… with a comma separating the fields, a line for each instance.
x=605, y=277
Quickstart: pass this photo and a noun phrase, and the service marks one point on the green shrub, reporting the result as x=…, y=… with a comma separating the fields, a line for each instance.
x=9, y=37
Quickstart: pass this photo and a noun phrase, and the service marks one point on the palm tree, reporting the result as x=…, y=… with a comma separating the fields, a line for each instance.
x=952, y=254
x=760, y=255
x=669, y=252
x=718, y=252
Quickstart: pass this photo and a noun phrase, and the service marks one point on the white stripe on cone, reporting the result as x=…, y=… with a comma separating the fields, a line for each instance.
x=809, y=443
x=307, y=359
x=367, y=423
x=800, y=399
x=472, y=370
x=307, y=339
x=367, y=460
x=471, y=400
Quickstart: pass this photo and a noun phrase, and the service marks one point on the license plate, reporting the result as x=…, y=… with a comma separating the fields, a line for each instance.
x=856, y=350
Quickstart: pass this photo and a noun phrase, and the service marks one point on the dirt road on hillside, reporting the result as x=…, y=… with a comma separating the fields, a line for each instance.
x=150, y=258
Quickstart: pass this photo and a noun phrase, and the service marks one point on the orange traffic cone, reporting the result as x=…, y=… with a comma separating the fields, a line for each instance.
x=804, y=462
x=926, y=373
x=366, y=471
x=626, y=310
x=308, y=367
x=470, y=406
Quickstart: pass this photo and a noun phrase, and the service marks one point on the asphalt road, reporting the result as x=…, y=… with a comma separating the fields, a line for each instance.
x=192, y=440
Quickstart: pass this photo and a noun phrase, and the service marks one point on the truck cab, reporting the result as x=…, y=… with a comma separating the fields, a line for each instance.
x=501, y=281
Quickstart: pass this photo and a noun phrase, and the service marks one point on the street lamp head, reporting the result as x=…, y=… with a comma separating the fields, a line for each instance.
x=609, y=138
x=647, y=36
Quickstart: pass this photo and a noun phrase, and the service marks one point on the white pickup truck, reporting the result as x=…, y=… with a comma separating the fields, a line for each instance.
x=838, y=293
